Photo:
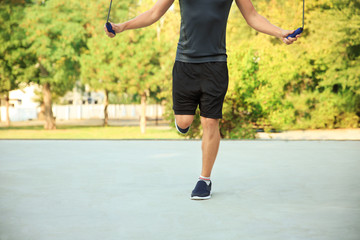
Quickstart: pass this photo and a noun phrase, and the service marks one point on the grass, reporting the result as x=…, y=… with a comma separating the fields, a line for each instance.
x=81, y=132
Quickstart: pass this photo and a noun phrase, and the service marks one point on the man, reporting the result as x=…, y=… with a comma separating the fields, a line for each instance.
x=200, y=74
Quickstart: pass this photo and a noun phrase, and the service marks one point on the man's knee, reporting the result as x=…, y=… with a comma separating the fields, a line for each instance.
x=209, y=123
x=184, y=121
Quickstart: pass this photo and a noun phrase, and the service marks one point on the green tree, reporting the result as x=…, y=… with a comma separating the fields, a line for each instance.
x=315, y=83
x=57, y=36
x=142, y=67
x=13, y=57
x=102, y=62
x=130, y=62
x=147, y=60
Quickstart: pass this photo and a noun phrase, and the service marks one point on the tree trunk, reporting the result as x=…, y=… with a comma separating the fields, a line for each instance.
x=49, y=117
x=143, y=113
x=156, y=119
x=106, y=104
x=7, y=109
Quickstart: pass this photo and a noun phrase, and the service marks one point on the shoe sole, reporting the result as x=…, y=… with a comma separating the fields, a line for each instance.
x=200, y=198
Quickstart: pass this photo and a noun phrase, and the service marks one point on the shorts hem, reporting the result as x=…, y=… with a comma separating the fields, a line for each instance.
x=213, y=116
x=184, y=112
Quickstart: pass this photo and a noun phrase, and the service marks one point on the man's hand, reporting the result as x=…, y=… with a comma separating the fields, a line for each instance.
x=143, y=20
x=118, y=28
x=290, y=40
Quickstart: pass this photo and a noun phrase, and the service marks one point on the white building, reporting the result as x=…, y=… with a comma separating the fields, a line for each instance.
x=23, y=105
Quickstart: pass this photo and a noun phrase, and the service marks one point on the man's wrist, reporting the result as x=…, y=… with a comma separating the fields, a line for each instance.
x=123, y=26
x=120, y=27
x=279, y=33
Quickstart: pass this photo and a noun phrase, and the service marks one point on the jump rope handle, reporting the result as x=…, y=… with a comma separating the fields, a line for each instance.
x=109, y=28
x=297, y=32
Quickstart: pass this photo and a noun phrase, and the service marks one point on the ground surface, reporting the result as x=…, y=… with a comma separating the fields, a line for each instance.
x=280, y=190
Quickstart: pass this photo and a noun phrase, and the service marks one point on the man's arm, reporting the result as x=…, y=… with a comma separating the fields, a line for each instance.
x=143, y=20
x=261, y=24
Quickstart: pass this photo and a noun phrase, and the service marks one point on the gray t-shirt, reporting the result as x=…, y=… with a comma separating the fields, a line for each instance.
x=203, y=30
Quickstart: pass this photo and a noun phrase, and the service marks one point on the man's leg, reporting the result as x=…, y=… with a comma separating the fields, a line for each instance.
x=210, y=140
x=210, y=147
x=184, y=121
x=210, y=144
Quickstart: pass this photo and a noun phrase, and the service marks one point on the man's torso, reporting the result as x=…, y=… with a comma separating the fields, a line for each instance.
x=203, y=30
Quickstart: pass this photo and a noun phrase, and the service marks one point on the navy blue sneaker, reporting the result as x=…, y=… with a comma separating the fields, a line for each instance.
x=201, y=191
x=182, y=130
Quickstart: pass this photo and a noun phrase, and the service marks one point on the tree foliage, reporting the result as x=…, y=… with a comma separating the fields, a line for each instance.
x=14, y=59
x=130, y=62
x=57, y=37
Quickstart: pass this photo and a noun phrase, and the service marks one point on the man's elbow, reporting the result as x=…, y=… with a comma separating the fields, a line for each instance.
x=155, y=15
x=252, y=17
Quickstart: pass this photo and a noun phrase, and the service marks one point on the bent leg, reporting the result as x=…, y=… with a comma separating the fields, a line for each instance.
x=210, y=144
x=184, y=121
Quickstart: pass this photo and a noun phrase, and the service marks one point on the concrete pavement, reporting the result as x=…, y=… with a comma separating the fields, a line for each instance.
x=262, y=190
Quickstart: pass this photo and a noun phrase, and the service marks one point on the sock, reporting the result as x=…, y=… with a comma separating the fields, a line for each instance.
x=205, y=179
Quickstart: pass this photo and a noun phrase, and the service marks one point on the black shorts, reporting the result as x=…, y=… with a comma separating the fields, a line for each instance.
x=203, y=84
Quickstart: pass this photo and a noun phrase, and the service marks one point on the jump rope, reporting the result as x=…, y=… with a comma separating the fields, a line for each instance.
x=108, y=25
x=297, y=31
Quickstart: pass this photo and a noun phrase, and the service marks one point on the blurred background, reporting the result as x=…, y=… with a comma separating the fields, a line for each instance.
x=59, y=70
